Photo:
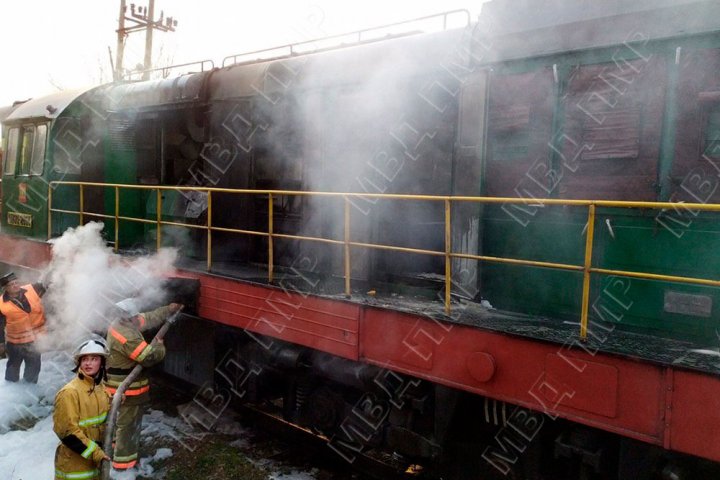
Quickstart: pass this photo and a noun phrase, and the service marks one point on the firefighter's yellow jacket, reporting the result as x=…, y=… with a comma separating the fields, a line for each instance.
x=81, y=409
x=128, y=348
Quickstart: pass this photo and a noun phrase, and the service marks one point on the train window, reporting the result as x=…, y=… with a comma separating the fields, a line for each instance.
x=26, y=149
x=12, y=149
x=712, y=132
x=38, y=154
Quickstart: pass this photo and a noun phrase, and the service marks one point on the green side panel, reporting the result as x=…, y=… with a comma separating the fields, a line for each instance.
x=64, y=197
x=551, y=236
x=670, y=242
x=534, y=291
x=121, y=168
x=675, y=243
x=30, y=206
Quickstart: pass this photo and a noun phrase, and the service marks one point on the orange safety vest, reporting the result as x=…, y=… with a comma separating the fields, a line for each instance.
x=20, y=326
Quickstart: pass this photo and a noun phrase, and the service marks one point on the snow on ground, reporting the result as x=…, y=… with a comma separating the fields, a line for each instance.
x=25, y=401
x=29, y=454
x=294, y=475
x=145, y=468
x=27, y=441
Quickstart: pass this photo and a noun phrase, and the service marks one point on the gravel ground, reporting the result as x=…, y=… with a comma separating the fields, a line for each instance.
x=232, y=449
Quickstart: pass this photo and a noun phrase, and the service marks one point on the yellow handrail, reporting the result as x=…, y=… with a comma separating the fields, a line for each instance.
x=209, y=231
x=346, y=248
x=82, y=204
x=117, y=218
x=270, y=238
x=587, y=269
x=49, y=219
x=397, y=196
x=448, y=257
x=159, y=218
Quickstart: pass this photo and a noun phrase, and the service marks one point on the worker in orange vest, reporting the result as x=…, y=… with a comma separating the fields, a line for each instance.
x=22, y=313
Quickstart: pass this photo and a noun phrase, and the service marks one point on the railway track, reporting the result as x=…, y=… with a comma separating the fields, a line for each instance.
x=365, y=465
x=293, y=446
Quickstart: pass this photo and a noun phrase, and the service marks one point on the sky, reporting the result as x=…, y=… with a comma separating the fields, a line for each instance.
x=49, y=45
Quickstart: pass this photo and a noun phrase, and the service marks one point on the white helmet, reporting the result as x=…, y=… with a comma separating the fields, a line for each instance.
x=127, y=308
x=90, y=347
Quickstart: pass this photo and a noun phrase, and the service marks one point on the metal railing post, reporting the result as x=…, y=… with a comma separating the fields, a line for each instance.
x=82, y=205
x=586, y=272
x=117, y=218
x=448, y=257
x=346, y=247
x=270, y=238
x=159, y=218
x=209, y=230
x=49, y=221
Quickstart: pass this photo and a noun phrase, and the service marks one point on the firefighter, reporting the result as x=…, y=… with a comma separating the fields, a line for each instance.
x=127, y=349
x=24, y=317
x=81, y=409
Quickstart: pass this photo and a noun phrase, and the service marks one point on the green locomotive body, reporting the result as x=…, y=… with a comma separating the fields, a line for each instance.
x=627, y=114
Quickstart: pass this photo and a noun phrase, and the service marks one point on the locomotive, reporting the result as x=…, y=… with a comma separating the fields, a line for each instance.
x=489, y=250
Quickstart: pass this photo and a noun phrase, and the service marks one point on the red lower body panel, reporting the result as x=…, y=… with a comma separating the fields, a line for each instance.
x=675, y=409
x=327, y=325
x=24, y=253
x=694, y=414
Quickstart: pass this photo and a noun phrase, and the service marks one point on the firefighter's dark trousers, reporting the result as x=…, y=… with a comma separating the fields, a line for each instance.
x=17, y=353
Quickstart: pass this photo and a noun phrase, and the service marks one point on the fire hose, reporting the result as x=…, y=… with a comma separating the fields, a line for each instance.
x=118, y=396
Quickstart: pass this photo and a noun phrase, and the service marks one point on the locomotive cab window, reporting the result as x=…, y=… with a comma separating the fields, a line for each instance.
x=38, y=153
x=28, y=145
x=26, y=149
x=12, y=149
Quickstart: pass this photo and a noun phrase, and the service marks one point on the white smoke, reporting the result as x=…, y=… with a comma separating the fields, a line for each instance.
x=85, y=278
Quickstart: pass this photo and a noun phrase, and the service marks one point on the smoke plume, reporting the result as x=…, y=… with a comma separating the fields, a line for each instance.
x=85, y=278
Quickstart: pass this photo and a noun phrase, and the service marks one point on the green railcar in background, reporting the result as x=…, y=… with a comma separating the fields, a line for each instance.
x=81, y=136
x=39, y=146
x=628, y=114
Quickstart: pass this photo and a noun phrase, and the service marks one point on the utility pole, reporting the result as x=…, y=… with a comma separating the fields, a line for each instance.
x=148, y=40
x=142, y=18
x=120, y=42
